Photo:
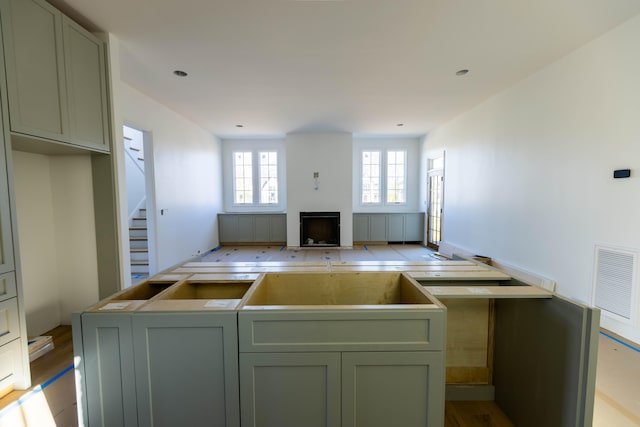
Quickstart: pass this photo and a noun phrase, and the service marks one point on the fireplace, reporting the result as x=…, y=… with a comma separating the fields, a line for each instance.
x=319, y=229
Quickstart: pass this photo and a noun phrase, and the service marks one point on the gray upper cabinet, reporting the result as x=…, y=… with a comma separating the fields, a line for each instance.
x=86, y=87
x=56, y=76
x=32, y=33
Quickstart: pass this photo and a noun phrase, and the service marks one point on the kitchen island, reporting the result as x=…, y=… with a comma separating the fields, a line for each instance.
x=333, y=344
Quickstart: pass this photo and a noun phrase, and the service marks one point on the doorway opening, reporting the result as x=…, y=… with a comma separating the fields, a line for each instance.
x=435, y=193
x=140, y=206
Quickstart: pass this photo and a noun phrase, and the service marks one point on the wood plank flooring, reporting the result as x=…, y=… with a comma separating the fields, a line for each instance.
x=51, y=399
x=474, y=414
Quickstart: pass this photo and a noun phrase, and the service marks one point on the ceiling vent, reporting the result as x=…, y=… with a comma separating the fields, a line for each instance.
x=615, y=288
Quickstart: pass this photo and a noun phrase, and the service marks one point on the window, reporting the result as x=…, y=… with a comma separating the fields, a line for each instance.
x=396, y=174
x=370, y=177
x=392, y=165
x=268, y=177
x=243, y=178
x=250, y=175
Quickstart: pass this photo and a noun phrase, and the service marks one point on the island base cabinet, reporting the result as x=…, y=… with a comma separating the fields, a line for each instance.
x=381, y=389
x=349, y=389
x=186, y=369
x=156, y=369
x=105, y=381
x=290, y=389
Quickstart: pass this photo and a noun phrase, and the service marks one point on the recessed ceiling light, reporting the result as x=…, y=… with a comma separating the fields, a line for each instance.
x=461, y=72
x=180, y=73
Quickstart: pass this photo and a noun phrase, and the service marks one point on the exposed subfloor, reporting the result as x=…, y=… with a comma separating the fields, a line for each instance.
x=407, y=252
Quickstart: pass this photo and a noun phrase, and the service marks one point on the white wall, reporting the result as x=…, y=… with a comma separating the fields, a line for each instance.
x=330, y=154
x=529, y=171
x=72, y=191
x=188, y=175
x=54, y=204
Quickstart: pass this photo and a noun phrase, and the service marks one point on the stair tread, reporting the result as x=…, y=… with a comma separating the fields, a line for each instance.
x=138, y=238
x=137, y=227
x=139, y=262
x=139, y=250
x=139, y=218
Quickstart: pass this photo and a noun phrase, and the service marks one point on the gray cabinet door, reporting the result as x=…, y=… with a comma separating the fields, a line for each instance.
x=32, y=35
x=106, y=358
x=381, y=389
x=85, y=74
x=8, y=287
x=546, y=351
x=262, y=224
x=246, y=229
x=10, y=355
x=378, y=227
x=290, y=389
x=227, y=228
x=278, y=228
x=361, y=228
x=6, y=241
x=414, y=227
x=395, y=228
x=186, y=368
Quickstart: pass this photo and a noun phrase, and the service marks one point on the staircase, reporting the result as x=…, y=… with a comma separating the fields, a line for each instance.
x=139, y=247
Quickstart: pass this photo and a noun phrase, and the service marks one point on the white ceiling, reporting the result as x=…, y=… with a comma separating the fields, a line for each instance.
x=361, y=66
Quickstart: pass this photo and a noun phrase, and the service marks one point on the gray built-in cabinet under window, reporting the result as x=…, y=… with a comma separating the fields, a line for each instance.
x=388, y=227
x=252, y=228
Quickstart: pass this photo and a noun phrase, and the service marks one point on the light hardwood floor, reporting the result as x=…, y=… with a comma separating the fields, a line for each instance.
x=617, y=381
x=51, y=401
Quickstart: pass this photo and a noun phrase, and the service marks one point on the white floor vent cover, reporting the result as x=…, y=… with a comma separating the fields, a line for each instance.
x=615, y=281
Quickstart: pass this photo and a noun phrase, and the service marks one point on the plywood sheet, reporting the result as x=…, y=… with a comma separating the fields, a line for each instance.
x=468, y=341
x=484, y=292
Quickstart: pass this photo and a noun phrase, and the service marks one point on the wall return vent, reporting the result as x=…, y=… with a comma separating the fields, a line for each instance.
x=615, y=281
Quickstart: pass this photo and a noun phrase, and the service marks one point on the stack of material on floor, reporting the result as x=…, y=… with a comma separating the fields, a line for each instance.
x=39, y=346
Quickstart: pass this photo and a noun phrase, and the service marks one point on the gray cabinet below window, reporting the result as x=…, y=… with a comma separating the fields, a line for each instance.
x=388, y=227
x=252, y=228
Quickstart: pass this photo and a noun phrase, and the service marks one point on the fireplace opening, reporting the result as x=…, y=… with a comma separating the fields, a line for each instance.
x=320, y=229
